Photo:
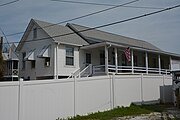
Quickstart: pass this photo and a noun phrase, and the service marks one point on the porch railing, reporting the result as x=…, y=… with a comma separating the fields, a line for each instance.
x=11, y=72
x=99, y=69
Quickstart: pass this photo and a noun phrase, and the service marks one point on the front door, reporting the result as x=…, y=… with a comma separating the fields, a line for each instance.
x=88, y=58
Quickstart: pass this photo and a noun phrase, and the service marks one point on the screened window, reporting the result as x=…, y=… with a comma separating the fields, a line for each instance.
x=102, y=57
x=135, y=60
x=69, y=55
x=154, y=63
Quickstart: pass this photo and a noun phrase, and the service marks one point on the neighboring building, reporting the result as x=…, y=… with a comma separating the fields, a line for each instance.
x=11, y=64
x=48, y=51
x=176, y=87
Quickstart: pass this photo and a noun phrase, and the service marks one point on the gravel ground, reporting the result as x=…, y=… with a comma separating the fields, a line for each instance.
x=170, y=113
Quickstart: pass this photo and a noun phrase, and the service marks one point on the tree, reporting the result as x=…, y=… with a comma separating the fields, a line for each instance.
x=1, y=60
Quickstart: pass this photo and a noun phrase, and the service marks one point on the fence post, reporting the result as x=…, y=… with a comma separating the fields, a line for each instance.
x=75, y=96
x=20, y=100
x=113, y=78
x=142, y=99
x=163, y=89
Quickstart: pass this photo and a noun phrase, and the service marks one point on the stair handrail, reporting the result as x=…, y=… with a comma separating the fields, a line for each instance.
x=76, y=72
x=73, y=73
x=87, y=67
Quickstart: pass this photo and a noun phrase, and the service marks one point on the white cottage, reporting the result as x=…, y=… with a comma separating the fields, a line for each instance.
x=51, y=51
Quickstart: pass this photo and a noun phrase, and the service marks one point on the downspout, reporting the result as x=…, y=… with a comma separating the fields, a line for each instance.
x=55, y=60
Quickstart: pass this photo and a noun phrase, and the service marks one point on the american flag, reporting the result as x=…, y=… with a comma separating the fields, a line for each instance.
x=127, y=54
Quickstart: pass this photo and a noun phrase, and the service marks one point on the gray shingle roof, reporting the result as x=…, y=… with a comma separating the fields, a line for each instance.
x=56, y=30
x=11, y=54
x=94, y=36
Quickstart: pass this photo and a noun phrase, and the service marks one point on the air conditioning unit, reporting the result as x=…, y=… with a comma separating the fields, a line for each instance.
x=47, y=64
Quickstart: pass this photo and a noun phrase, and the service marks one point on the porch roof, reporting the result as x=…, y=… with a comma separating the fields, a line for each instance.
x=125, y=46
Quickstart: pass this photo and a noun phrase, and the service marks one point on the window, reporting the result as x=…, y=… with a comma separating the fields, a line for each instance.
x=35, y=33
x=33, y=64
x=23, y=61
x=15, y=64
x=47, y=61
x=69, y=55
x=88, y=58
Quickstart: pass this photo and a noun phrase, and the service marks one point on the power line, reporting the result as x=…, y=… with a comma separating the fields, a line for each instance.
x=106, y=25
x=80, y=17
x=103, y=4
x=8, y=3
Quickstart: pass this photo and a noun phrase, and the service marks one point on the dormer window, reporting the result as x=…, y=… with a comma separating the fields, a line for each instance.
x=35, y=33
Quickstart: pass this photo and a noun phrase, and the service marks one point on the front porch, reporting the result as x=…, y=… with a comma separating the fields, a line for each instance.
x=109, y=58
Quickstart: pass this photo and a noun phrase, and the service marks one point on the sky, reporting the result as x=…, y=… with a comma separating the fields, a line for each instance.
x=162, y=30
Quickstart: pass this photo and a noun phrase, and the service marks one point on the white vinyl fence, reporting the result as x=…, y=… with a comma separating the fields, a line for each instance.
x=50, y=99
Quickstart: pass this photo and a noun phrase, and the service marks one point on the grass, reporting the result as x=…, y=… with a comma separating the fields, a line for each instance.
x=122, y=111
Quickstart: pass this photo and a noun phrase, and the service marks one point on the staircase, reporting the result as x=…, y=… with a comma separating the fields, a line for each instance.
x=82, y=72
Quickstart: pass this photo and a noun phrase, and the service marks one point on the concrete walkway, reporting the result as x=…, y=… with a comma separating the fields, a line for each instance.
x=174, y=112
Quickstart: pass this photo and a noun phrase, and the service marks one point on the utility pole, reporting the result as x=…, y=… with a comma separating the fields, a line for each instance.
x=1, y=60
x=1, y=43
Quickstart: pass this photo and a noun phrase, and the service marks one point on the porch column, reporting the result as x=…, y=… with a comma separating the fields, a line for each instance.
x=146, y=63
x=132, y=61
x=116, y=60
x=159, y=61
x=57, y=73
x=106, y=60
